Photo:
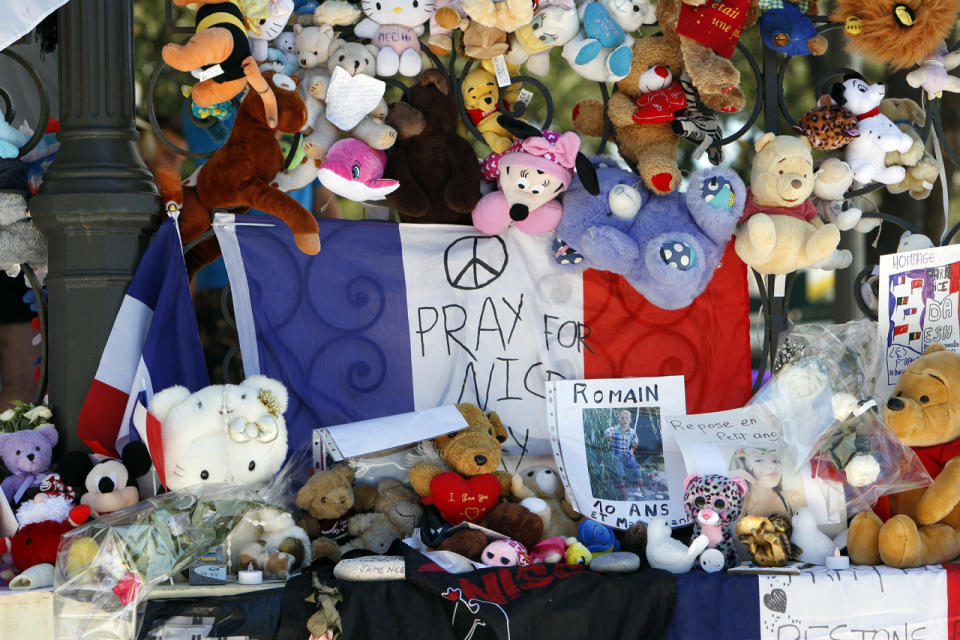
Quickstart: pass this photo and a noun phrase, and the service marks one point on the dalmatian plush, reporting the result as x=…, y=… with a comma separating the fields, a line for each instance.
x=878, y=135
x=713, y=503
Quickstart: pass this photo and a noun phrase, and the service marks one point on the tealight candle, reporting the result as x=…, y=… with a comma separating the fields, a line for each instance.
x=250, y=575
x=837, y=561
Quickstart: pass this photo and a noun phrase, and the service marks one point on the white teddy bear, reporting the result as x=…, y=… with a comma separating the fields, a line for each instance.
x=313, y=47
x=222, y=433
x=270, y=540
x=878, y=134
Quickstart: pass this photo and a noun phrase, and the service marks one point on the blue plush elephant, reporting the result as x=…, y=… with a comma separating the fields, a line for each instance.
x=667, y=247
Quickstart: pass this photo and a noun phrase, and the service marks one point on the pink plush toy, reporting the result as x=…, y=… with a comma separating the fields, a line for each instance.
x=549, y=550
x=505, y=553
x=536, y=168
x=353, y=170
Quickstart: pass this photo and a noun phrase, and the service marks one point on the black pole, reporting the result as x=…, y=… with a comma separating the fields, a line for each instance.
x=97, y=204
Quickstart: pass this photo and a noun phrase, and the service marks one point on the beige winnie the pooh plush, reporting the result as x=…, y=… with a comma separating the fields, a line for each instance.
x=924, y=412
x=780, y=231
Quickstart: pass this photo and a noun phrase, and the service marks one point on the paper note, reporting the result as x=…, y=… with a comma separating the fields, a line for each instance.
x=351, y=98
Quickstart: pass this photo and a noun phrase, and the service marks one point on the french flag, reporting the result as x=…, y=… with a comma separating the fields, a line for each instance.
x=391, y=318
x=154, y=344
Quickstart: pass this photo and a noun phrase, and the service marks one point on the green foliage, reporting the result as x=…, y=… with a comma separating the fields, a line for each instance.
x=23, y=416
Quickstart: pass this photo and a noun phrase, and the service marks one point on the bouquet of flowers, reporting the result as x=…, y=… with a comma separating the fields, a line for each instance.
x=23, y=415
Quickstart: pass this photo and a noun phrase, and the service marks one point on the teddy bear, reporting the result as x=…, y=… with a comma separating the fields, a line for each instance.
x=330, y=500
x=398, y=504
x=540, y=490
x=651, y=145
x=878, y=134
x=553, y=25
x=924, y=527
x=20, y=240
x=932, y=74
x=312, y=47
x=270, y=540
x=437, y=169
x=243, y=423
x=920, y=165
x=602, y=50
x=780, y=231
x=715, y=77
x=481, y=99
x=109, y=485
x=788, y=30
x=27, y=454
x=356, y=59
x=240, y=172
x=667, y=247
x=895, y=33
x=504, y=15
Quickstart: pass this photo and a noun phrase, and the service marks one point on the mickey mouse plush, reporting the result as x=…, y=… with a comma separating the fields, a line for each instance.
x=109, y=485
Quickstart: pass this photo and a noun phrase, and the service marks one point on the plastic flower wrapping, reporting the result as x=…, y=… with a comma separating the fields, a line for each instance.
x=821, y=396
x=106, y=568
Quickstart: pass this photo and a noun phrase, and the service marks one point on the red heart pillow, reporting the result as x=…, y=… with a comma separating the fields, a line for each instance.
x=460, y=499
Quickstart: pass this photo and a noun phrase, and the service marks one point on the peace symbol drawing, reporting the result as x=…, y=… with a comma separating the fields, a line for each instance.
x=473, y=262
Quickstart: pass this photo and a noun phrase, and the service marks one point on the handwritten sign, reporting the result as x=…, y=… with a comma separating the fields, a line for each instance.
x=860, y=603
x=918, y=307
x=351, y=98
x=746, y=443
x=617, y=463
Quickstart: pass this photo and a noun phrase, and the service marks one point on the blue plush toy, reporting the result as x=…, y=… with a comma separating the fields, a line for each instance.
x=597, y=537
x=10, y=140
x=789, y=31
x=667, y=247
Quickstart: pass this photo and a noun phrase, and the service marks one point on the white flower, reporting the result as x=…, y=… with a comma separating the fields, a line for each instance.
x=38, y=412
x=862, y=470
x=7, y=415
x=843, y=405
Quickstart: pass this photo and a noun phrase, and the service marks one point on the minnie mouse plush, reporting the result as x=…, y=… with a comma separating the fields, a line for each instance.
x=536, y=168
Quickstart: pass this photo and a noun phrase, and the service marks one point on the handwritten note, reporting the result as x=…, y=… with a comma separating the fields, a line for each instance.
x=351, y=98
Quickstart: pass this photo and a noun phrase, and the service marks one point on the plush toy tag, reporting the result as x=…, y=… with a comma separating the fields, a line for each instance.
x=715, y=24
x=206, y=74
x=460, y=499
x=351, y=98
x=501, y=71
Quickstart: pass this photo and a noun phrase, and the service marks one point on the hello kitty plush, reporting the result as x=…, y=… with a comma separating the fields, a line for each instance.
x=394, y=27
x=221, y=433
x=531, y=173
x=266, y=29
x=878, y=135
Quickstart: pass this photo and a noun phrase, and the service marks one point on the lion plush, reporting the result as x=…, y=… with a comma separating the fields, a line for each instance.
x=924, y=411
x=240, y=173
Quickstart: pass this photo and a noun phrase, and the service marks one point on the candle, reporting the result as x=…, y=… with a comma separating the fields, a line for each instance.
x=250, y=575
x=837, y=561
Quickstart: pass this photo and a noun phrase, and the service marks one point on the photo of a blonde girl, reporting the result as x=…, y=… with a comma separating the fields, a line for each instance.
x=763, y=471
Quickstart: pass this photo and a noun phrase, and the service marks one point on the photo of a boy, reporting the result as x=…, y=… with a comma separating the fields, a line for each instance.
x=622, y=441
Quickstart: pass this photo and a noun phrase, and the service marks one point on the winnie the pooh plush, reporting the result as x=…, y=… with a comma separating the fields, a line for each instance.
x=780, y=231
x=924, y=411
x=481, y=98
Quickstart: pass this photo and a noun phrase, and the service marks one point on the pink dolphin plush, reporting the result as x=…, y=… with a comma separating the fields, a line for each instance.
x=355, y=171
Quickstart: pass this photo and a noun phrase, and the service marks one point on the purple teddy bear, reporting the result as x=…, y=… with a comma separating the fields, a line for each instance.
x=27, y=454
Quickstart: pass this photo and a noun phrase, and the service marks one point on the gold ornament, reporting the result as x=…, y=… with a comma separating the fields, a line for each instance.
x=853, y=26
x=270, y=402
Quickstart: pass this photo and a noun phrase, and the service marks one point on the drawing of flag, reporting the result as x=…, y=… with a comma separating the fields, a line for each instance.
x=154, y=344
x=914, y=336
x=899, y=329
x=917, y=283
x=903, y=300
x=909, y=312
x=899, y=280
x=392, y=318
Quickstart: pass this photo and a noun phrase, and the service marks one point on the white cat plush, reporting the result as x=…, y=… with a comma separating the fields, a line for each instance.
x=394, y=27
x=222, y=433
x=264, y=30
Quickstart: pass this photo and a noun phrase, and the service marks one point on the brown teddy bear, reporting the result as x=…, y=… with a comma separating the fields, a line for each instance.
x=330, y=500
x=920, y=164
x=437, y=169
x=924, y=411
x=539, y=488
x=651, y=146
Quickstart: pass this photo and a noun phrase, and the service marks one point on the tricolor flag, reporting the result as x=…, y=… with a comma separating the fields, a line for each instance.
x=915, y=335
x=909, y=312
x=917, y=283
x=900, y=328
x=392, y=318
x=899, y=280
x=154, y=344
x=903, y=300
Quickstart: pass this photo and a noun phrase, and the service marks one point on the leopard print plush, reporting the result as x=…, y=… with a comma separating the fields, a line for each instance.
x=828, y=127
x=722, y=495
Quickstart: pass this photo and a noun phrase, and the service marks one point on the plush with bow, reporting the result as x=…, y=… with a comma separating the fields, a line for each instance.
x=243, y=424
x=533, y=171
x=27, y=455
